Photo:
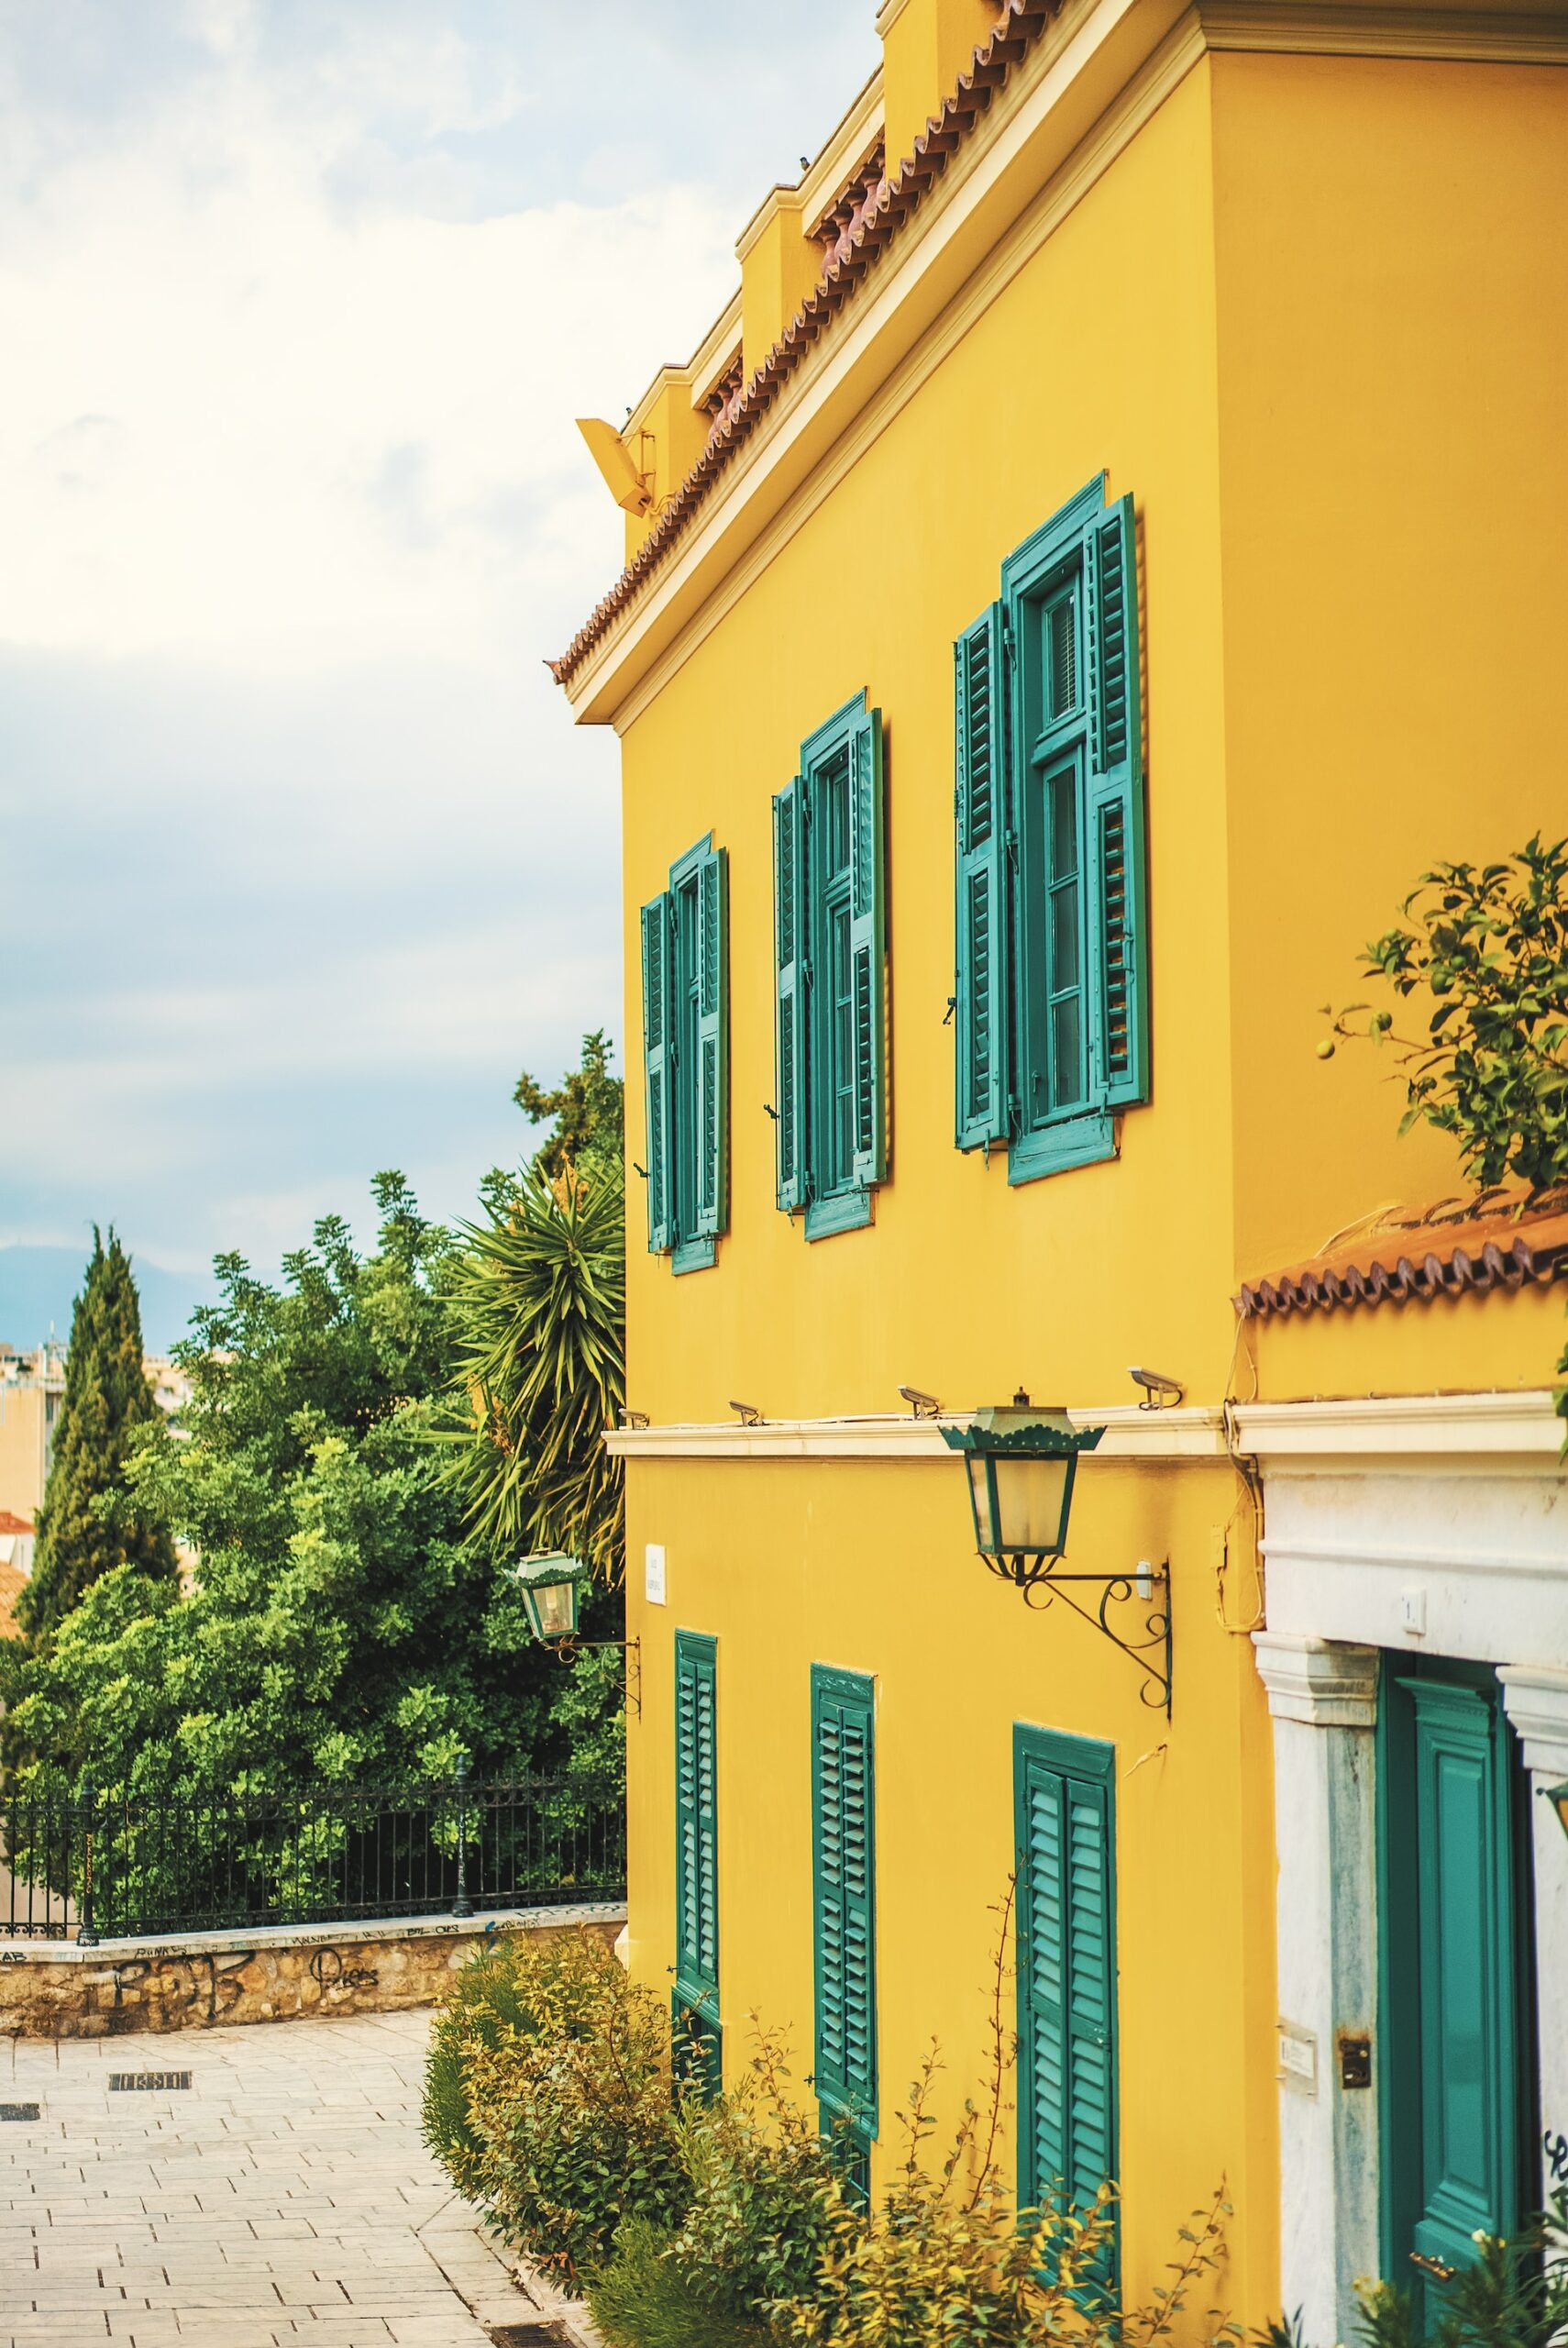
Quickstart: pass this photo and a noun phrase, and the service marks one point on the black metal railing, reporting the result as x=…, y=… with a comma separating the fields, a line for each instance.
x=98, y=1865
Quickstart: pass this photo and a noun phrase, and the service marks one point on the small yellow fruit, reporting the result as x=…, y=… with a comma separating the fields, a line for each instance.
x=1326, y=1048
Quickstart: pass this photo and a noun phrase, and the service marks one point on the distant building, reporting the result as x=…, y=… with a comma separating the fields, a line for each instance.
x=31, y=1386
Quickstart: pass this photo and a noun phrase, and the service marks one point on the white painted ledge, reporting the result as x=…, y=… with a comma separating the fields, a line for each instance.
x=1320, y=1683
x=1130, y=1432
x=1429, y=1427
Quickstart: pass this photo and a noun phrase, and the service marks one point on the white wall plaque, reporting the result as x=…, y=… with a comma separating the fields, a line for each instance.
x=653, y=1573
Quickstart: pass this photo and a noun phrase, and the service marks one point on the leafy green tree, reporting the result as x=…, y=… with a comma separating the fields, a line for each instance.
x=343, y=1626
x=90, y=1523
x=588, y=1132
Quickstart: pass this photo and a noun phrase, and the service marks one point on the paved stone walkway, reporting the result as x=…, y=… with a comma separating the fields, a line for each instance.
x=284, y=2196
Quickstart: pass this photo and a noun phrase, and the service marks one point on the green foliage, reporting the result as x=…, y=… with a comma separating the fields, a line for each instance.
x=1489, y=947
x=90, y=1523
x=342, y=1626
x=537, y=1303
x=571, y=2122
x=588, y=1134
x=648, y=2298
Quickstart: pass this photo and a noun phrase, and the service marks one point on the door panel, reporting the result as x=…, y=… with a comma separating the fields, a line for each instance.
x=1455, y=2048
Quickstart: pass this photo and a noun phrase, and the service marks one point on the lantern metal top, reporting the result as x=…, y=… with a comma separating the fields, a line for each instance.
x=1028, y=1431
x=548, y=1568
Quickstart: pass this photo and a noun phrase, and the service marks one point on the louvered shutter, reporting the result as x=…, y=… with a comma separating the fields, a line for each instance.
x=713, y=1043
x=658, y=1066
x=843, y=1799
x=868, y=948
x=1119, y=960
x=696, y=1818
x=981, y=802
x=1067, y=1973
x=789, y=956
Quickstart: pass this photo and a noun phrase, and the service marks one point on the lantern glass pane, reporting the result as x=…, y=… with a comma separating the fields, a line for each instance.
x=980, y=1495
x=1558, y=1797
x=1030, y=1493
x=555, y=1606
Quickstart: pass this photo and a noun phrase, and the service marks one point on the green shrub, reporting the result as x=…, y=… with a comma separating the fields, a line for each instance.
x=486, y=2006
x=647, y=2299
x=1515, y=2294
x=550, y=2101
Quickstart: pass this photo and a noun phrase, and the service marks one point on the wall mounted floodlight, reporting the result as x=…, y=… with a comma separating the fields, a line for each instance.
x=924, y=1406
x=629, y=1418
x=1159, y=1393
x=1023, y=1463
x=750, y=1416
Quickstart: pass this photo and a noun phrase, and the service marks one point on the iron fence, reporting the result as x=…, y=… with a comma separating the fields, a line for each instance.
x=101, y=1864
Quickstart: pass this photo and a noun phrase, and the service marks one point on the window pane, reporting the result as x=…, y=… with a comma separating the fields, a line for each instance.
x=1066, y=1044
x=1064, y=825
x=1062, y=656
x=843, y=1068
x=1063, y=938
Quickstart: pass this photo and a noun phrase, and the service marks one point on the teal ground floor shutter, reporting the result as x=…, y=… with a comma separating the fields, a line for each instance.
x=698, y=2041
x=1457, y=2059
x=1063, y=1792
x=844, y=1907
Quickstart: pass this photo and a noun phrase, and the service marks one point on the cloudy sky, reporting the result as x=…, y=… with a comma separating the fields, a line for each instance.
x=301, y=858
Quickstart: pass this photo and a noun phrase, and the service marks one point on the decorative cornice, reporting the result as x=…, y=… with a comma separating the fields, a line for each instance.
x=1130, y=1432
x=1438, y=1430
x=964, y=134
x=1320, y=1682
x=1535, y=1697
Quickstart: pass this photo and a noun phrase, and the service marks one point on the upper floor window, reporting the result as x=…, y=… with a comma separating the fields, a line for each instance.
x=686, y=1057
x=829, y=934
x=1052, y=998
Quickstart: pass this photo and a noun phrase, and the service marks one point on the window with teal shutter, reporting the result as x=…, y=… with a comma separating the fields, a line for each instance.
x=686, y=1058
x=1063, y=1791
x=1051, y=997
x=829, y=909
x=844, y=1866
x=697, y=2034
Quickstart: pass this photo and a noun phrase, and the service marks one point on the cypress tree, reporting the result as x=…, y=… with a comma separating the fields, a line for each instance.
x=87, y=1524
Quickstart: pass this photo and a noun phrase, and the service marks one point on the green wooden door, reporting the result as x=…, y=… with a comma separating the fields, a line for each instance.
x=1457, y=2068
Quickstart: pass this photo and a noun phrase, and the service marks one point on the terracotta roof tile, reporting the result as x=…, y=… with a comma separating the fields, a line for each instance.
x=13, y=1581
x=11, y=1522
x=1499, y=1239
x=1019, y=24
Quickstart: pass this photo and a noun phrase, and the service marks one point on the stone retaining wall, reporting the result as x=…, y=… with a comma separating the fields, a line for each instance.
x=57, y=1989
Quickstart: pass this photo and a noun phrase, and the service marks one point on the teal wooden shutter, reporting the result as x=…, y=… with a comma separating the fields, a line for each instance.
x=868, y=880
x=699, y=2045
x=1066, y=1966
x=713, y=1043
x=844, y=1855
x=981, y=804
x=659, y=1065
x=1118, y=961
x=790, y=958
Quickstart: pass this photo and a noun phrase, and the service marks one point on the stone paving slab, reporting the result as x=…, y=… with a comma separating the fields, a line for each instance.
x=283, y=2199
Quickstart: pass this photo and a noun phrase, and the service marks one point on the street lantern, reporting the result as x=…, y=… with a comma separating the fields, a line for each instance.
x=551, y=1586
x=1022, y=1463
x=1558, y=1797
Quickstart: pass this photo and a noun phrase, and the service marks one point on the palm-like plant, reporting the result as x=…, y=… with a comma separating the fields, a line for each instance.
x=538, y=1308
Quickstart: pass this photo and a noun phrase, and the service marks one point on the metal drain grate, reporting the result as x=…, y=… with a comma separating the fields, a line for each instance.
x=121, y=2081
x=19, y=2112
x=529, y=2335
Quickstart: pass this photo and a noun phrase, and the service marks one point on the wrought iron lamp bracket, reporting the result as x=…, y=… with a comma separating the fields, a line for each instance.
x=1041, y=1579
x=570, y=1648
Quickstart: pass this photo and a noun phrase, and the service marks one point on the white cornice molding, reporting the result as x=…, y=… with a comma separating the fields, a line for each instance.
x=1437, y=1430
x=1130, y=1432
x=1535, y=1699
x=1322, y=1683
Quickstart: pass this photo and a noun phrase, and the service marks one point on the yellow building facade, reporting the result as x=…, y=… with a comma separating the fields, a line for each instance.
x=1215, y=352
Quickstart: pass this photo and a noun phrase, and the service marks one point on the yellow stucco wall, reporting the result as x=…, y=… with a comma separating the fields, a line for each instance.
x=1393, y=338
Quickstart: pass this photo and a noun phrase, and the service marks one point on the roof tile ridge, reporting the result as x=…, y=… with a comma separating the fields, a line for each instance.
x=898, y=194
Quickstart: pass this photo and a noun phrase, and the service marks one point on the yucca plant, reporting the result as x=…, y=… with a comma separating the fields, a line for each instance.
x=537, y=1300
